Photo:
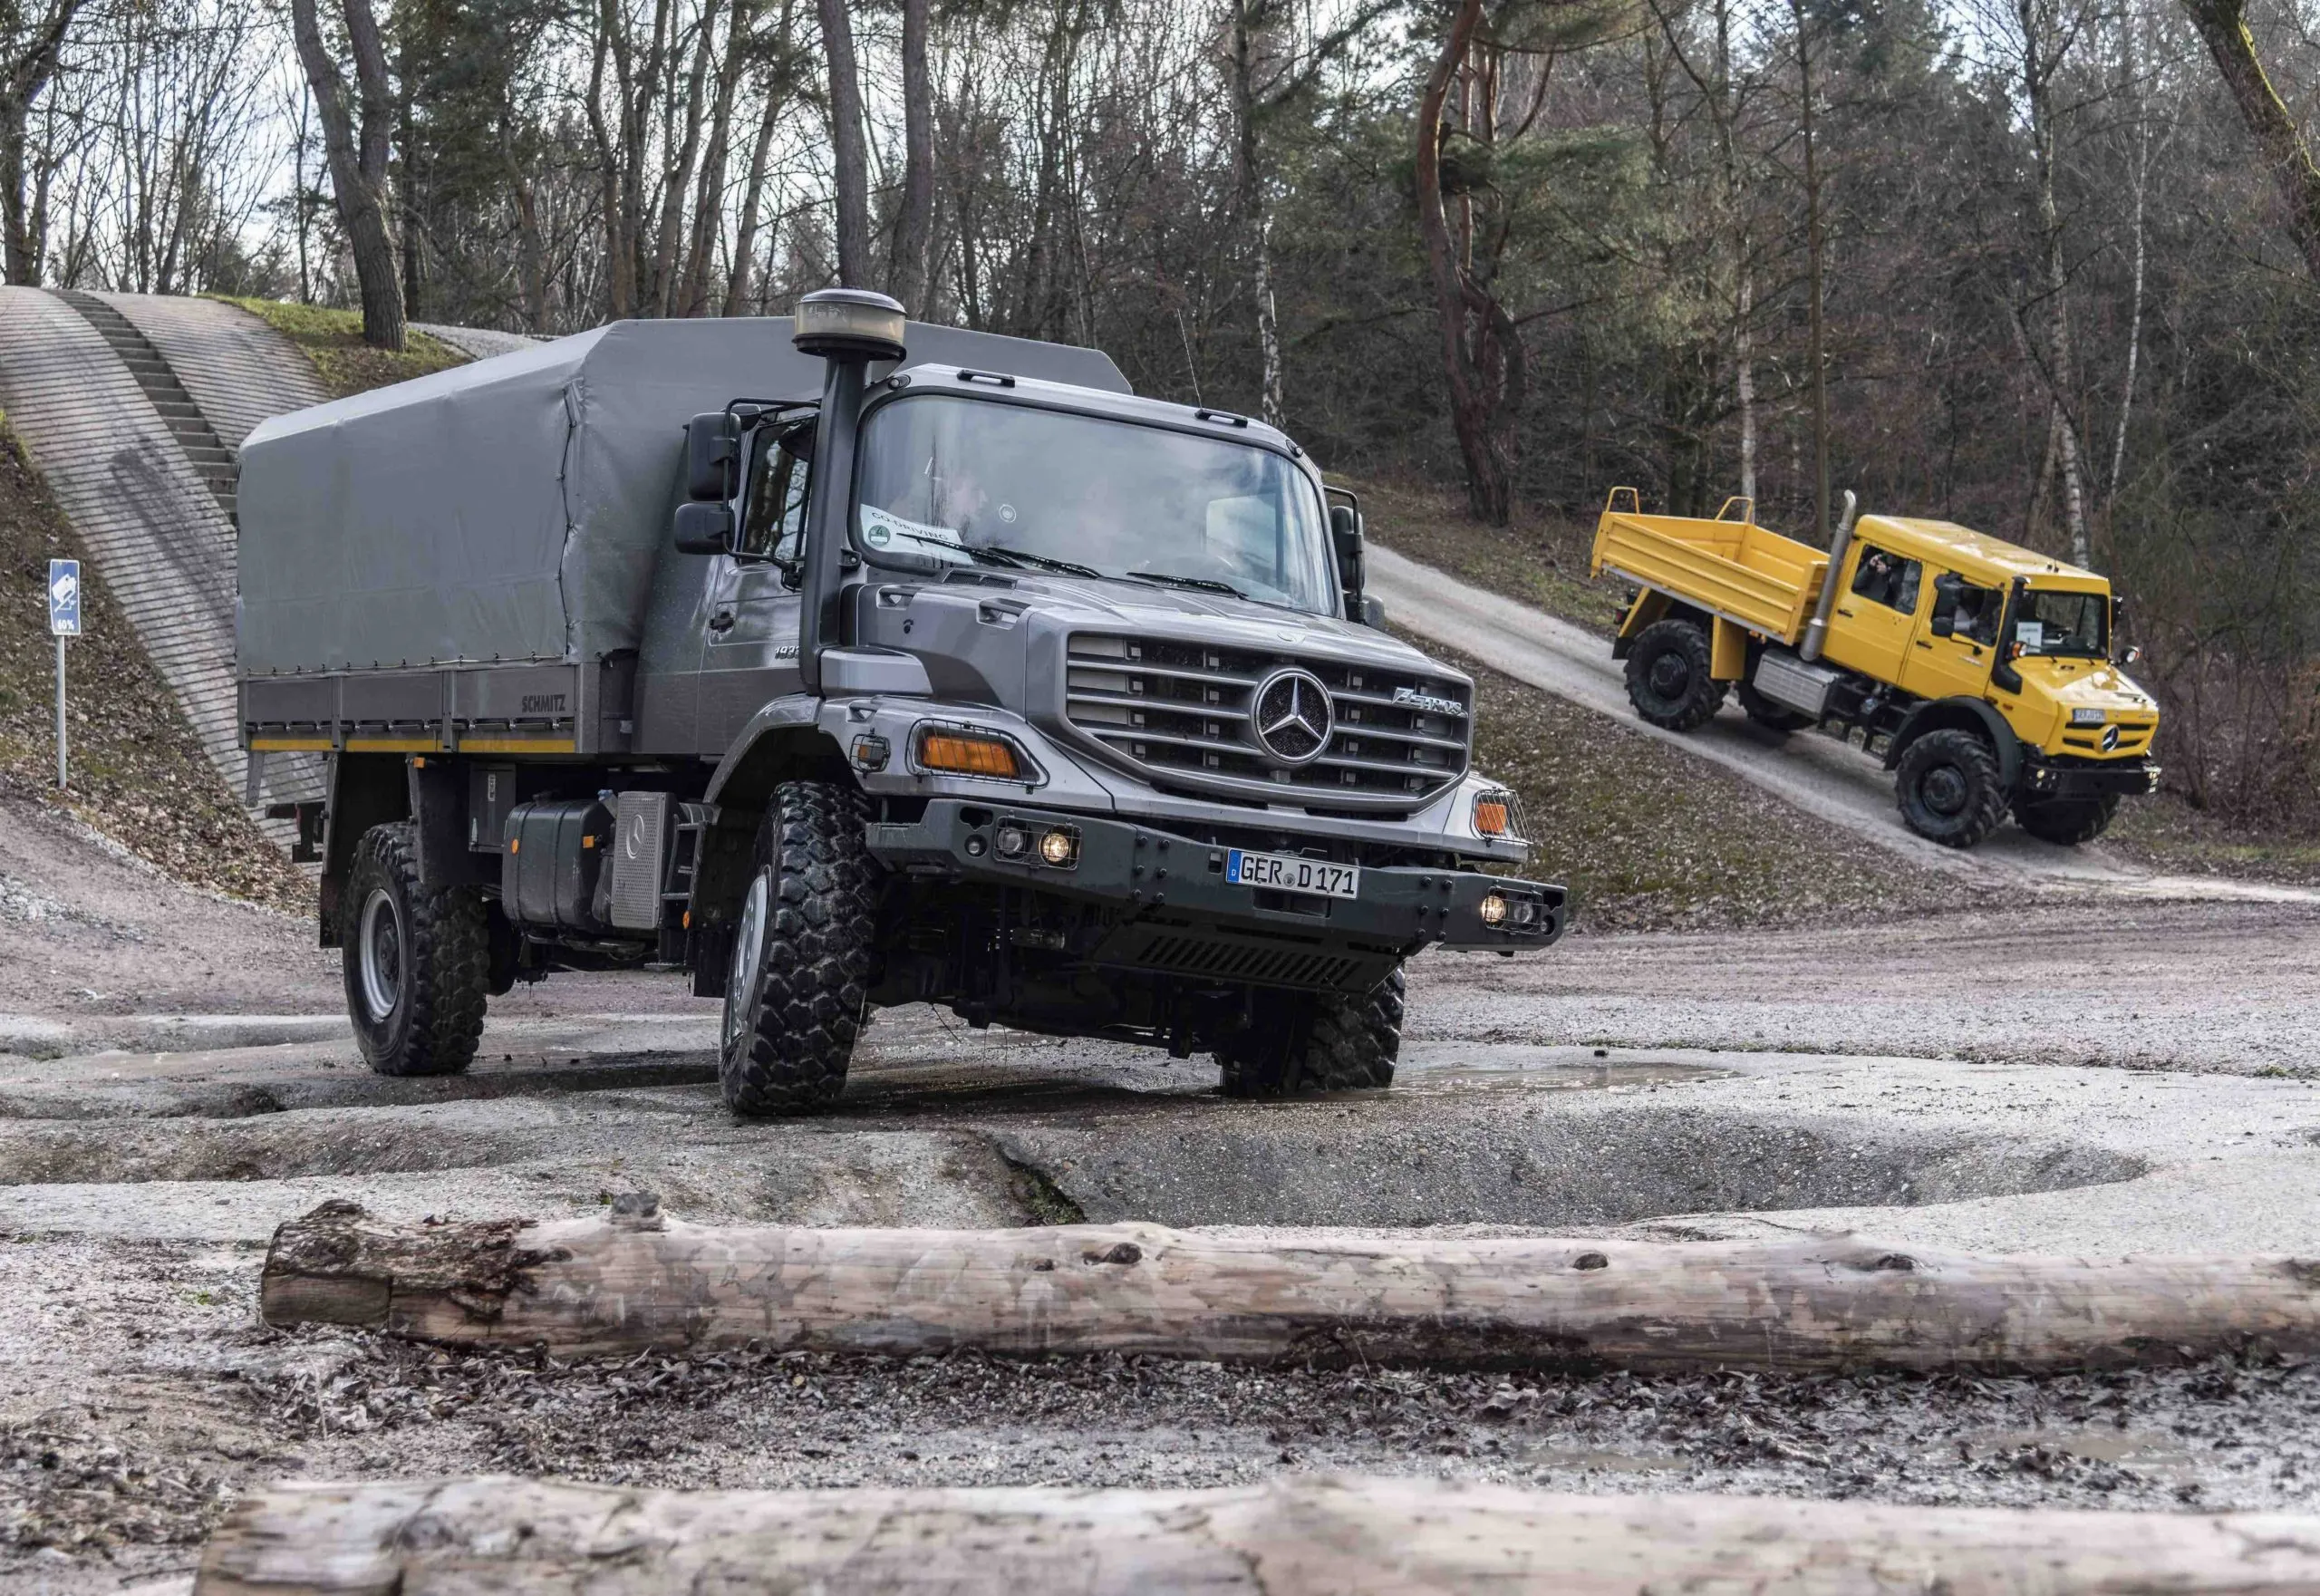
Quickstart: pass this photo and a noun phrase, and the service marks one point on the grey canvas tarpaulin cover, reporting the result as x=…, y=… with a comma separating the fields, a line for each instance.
x=513, y=509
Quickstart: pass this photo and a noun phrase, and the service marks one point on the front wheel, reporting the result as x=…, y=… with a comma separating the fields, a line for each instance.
x=798, y=990
x=2067, y=821
x=1300, y=1043
x=1669, y=679
x=1948, y=786
x=417, y=961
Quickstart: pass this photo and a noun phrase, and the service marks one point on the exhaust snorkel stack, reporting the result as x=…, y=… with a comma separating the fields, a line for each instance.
x=848, y=328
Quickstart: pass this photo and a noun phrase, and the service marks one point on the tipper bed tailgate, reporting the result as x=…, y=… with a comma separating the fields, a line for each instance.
x=1730, y=567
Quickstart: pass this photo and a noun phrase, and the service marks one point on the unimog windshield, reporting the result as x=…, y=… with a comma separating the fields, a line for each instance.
x=984, y=482
x=2070, y=625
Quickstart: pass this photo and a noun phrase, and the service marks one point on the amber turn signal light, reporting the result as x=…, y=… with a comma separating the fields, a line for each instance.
x=961, y=753
x=1490, y=816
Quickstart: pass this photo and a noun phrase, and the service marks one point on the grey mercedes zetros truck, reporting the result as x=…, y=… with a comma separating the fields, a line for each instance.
x=845, y=662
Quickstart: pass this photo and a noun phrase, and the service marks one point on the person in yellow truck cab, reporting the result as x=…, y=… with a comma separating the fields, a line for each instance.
x=1980, y=672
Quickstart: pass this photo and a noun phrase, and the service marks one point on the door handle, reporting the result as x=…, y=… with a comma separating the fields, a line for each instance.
x=1846, y=614
x=722, y=621
x=1923, y=643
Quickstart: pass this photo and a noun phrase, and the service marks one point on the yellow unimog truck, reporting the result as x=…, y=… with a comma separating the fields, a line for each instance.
x=1980, y=672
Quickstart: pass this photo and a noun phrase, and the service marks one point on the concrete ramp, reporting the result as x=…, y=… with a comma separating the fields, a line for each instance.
x=156, y=533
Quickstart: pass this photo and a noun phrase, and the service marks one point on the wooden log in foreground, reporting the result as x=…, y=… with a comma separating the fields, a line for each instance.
x=636, y=1282
x=1290, y=1537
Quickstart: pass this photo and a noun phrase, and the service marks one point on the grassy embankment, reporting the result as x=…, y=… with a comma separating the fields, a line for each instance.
x=1543, y=561
x=333, y=340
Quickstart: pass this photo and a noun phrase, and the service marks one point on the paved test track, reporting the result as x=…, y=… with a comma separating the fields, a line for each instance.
x=1819, y=775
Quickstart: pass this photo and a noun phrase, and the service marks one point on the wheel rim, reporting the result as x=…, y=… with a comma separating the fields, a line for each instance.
x=748, y=953
x=1670, y=674
x=1944, y=789
x=379, y=949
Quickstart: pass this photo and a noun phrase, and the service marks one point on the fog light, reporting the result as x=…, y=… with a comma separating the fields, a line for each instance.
x=1060, y=847
x=966, y=753
x=1013, y=841
x=1494, y=909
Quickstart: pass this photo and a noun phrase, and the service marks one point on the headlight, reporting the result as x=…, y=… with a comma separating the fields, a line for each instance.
x=1494, y=909
x=2087, y=717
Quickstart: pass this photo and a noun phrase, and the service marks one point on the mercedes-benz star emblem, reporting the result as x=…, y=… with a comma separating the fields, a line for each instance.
x=1292, y=716
x=2111, y=739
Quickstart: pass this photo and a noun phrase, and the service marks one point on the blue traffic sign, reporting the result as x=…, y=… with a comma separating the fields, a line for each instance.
x=65, y=598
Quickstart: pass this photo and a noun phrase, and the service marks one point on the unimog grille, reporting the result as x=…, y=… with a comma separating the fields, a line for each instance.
x=1185, y=714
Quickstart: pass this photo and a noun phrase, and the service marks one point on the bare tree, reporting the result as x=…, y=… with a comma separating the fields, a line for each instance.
x=358, y=156
x=911, y=276
x=2223, y=24
x=29, y=46
x=849, y=153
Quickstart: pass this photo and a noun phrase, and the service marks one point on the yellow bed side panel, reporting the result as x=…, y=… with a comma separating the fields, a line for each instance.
x=1735, y=569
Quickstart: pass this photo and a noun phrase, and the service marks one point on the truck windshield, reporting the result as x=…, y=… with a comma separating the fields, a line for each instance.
x=978, y=481
x=2075, y=623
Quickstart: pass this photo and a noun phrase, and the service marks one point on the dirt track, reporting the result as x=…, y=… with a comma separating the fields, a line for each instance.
x=2005, y=1080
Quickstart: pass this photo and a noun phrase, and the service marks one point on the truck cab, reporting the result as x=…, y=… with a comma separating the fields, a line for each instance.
x=1983, y=674
x=843, y=663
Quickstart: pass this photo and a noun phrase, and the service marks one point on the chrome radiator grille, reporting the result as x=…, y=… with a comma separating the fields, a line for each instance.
x=1187, y=712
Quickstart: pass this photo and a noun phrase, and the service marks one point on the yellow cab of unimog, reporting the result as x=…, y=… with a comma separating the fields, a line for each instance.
x=1981, y=672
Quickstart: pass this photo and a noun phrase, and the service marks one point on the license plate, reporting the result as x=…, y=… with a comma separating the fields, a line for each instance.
x=1289, y=873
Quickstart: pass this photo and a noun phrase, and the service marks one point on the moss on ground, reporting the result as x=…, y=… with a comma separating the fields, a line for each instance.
x=333, y=340
x=1649, y=838
x=2168, y=835
x=1539, y=559
x=139, y=776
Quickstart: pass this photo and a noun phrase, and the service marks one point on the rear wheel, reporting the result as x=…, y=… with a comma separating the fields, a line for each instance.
x=1771, y=716
x=1948, y=789
x=797, y=990
x=418, y=963
x=1300, y=1043
x=2067, y=821
x=1668, y=676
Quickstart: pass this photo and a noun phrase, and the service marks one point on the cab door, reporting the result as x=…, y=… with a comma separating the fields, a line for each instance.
x=749, y=651
x=1956, y=640
x=1876, y=614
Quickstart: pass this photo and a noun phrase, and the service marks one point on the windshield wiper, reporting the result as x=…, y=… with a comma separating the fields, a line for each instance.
x=1201, y=583
x=1038, y=562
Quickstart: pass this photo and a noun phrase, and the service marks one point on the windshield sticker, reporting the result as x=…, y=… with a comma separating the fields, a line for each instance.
x=2030, y=634
x=884, y=529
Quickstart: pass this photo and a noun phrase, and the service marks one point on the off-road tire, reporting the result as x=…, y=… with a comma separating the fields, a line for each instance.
x=418, y=963
x=1301, y=1042
x=1948, y=789
x=793, y=1010
x=2067, y=821
x=1771, y=716
x=1668, y=676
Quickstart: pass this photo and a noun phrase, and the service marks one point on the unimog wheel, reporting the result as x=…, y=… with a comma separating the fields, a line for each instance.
x=1300, y=1043
x=1771, y=716
x=1668, y=676
x=796, y=994
x=418, y=963
x=1948, y=789
x=2067, y=821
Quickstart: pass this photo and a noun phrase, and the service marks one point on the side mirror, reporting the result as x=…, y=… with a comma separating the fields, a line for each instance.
x=2133, y=656
x=1945, y=620
x=704, y=528
x=711, y=446
x=1373, y=612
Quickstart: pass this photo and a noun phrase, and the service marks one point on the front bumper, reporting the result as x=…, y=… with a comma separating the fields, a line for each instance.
x=2094, y=778
x=1158, y=878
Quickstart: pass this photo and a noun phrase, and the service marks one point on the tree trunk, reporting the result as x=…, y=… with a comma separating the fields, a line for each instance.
x=677, y=180
x=2039, y=68
x=1294, y=1535
x=2223, y=24
x=24, y=74
x=358, y=157
x=849, y=154
x=1476, y=333
x=594, y=1286
x=1743, y=352
x=1817, y=298
x=709, y=199
x=910, y=276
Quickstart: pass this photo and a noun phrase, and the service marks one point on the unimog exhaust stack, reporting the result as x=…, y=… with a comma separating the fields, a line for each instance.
x=848, y=328
x=1816, y=630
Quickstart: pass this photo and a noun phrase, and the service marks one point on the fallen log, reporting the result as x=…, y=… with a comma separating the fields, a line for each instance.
x=1294, y=1535
x=637, y=1280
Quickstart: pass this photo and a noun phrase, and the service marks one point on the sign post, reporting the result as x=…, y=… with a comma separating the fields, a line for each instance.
x=64, y=621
